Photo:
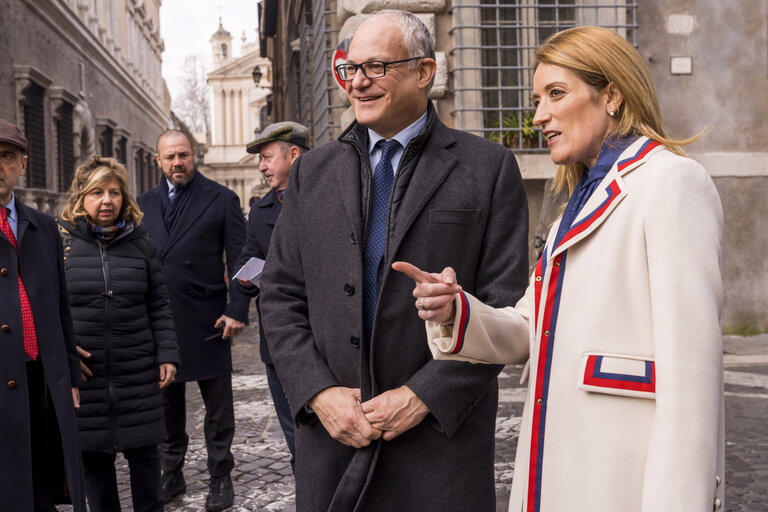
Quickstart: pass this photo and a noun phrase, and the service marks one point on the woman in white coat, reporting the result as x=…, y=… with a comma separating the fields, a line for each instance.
x=621, y=321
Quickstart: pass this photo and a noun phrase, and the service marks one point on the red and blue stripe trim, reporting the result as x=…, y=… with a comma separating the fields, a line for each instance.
x=463, y=323
x=581, y=226
x=646, y=148
x=546, y=338
x=594, y=376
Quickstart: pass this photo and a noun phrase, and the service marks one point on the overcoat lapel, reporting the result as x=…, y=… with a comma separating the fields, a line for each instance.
x=607, y=195
x=201, y=196
x=347, y=169
x=24, y=220
x=153, y=214
x=434, y=166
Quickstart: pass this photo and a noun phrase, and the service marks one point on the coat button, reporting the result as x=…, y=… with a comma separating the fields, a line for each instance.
x=717, y=504
x=538, y=400
x=538, y=278
x=191, y=293
x=11, y=384
x=5, y=328
x=354, y=341
x=352, y=239
x=546, y=333
x=3, y=272
x=349, y=289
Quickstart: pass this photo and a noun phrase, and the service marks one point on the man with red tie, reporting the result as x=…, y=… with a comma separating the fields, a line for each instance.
x=40, y=463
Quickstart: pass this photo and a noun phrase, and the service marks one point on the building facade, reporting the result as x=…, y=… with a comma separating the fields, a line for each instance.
x=710, y=76
x=239, y=109
x=82, y=77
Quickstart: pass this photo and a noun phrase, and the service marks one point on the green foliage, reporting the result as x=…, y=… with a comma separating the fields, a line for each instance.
x=512, y=129
x=744, y=330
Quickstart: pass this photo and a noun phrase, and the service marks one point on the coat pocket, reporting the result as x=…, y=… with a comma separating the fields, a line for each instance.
x=615, y=374
x=440, y=216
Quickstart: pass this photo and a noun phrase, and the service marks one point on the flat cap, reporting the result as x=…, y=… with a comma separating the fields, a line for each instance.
x=287, y=131
x=11, y=134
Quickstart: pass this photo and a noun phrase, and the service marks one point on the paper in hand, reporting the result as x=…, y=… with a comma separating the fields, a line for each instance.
x=251, y=271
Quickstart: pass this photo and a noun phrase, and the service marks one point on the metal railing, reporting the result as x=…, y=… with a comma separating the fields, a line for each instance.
x=493, y=47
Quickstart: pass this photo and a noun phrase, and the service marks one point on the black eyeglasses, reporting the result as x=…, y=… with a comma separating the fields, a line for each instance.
x=371, y=68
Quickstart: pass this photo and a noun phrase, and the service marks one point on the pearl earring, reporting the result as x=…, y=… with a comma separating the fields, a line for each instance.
x=611, y=113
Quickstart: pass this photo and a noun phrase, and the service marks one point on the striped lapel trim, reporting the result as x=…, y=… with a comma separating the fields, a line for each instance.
x=639, y=152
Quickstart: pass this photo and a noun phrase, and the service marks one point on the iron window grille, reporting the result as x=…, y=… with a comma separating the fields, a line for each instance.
x=494, y=44
x=34, y=127
x=65, y=161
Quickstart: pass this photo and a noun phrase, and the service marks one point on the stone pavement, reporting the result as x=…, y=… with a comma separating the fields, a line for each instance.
x=262, y=474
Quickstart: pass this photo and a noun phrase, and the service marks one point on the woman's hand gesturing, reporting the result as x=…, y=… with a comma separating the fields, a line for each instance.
x=435, y=293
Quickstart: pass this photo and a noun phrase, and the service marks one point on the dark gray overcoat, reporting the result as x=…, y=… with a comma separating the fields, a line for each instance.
x=42, y=269
x=458, y=201
x=192, y=259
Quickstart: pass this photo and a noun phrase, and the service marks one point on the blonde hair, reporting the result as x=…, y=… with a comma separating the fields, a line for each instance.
x=97, y=172
x=600, y=57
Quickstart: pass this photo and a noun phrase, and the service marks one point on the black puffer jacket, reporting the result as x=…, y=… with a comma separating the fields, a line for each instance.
x=122, y=316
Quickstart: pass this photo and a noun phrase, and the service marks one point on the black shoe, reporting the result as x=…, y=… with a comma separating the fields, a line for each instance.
x=221, y=494
x=172, y=484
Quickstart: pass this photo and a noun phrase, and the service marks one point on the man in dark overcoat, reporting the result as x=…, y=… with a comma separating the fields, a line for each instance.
x=381, y=426
x=278, y=146
x=40, y=463
x=195, y=222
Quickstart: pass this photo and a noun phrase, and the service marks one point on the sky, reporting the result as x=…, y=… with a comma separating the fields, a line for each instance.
x=187, y=25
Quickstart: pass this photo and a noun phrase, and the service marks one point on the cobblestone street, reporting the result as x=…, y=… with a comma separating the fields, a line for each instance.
x=262, y=474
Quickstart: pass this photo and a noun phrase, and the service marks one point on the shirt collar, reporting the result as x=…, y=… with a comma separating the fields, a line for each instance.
x=403, y=137
x=11, y=207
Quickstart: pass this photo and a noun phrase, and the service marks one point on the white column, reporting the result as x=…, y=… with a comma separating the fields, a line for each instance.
x=231, y=117
x=218, y=117
x=238, y=102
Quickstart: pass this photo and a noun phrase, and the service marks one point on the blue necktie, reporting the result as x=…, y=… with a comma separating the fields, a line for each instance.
x=383, y=176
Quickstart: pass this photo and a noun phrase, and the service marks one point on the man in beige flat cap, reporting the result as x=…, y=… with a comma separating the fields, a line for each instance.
x=278, y=145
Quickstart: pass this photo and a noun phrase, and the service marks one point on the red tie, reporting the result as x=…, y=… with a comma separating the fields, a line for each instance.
x=27, y=320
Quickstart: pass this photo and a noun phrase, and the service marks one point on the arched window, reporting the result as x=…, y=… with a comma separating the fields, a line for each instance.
x=223, y=51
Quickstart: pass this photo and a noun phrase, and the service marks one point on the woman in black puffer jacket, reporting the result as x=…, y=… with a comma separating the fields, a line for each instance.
x=125, y=334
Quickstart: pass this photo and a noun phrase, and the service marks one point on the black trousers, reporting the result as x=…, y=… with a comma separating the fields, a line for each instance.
x=101, y=480
x=219, y=425
x=45, y=439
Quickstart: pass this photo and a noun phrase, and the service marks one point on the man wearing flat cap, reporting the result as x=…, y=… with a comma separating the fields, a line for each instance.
x=278, y=145
x=39, y=366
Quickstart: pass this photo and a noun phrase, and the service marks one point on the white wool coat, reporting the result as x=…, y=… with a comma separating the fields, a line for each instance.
x=621, y=323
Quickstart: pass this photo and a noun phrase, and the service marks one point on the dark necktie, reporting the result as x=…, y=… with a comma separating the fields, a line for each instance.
x=383, y=176
x=169, y=217
x=27, y=320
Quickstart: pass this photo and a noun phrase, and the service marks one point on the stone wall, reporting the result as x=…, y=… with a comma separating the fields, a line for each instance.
x=112, y=79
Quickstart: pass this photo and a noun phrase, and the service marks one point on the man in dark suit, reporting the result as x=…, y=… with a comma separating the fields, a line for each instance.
x=194, y=221
x=41, y=461
x=278, y=146
x=380, y=424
